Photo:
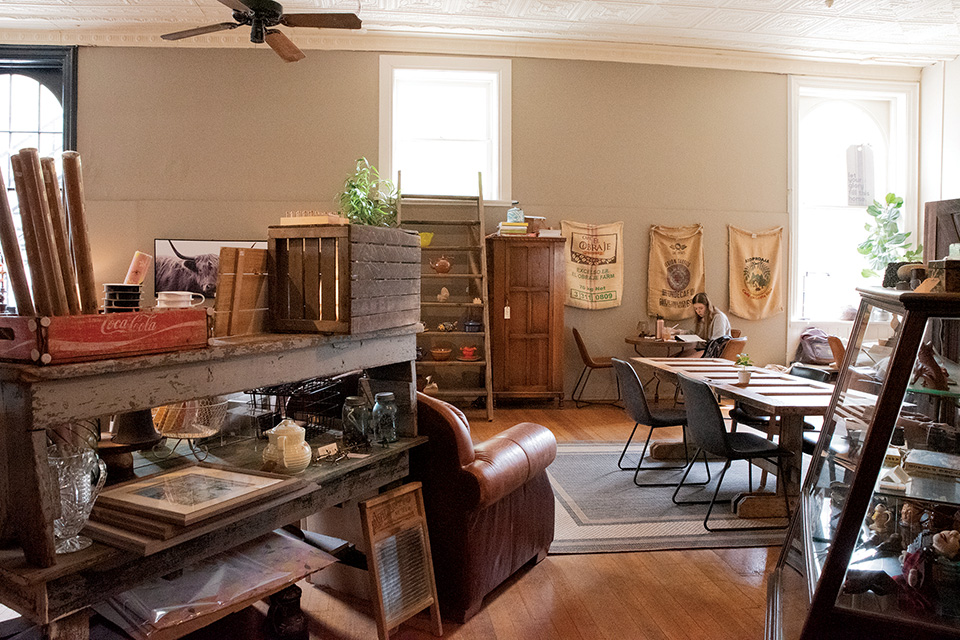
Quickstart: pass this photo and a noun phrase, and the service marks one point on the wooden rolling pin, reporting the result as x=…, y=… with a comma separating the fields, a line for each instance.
x=43, y=225
x=11, y=254
x=41, y=297
x=73, y=185
x=55, y=202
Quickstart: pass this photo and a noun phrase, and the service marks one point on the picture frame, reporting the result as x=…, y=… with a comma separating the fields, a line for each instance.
x=181, y=264
x=194, y=492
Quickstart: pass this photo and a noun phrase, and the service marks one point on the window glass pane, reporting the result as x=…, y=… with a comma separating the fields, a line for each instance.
x=446, y=111
x=4, y=101
x=51, y=112
x=25, y=107
x=443, y=167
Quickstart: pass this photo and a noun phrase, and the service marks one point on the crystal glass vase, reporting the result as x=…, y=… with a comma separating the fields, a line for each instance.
x=80, y=476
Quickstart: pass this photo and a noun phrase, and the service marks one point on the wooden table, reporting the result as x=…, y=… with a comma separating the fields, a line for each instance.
x=784, y=397
x=56, y=591
x=643, y=345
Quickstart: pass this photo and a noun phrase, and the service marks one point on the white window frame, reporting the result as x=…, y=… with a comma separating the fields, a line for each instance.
x=502, y=67
x=907, y=95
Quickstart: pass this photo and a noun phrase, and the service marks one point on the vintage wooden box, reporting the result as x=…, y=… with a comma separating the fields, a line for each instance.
x=343, y=278
x=948, y=272
x=60, y=339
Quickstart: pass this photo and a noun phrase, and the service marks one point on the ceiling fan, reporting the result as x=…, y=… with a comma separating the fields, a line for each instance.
x=262, y=16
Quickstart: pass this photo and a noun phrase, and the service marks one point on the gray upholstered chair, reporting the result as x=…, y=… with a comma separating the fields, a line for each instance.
x=708, y=430
x=635, y=404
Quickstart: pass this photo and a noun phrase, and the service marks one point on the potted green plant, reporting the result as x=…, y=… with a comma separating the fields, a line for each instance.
x=886, y=247
x=367, y=198
x=743, y=361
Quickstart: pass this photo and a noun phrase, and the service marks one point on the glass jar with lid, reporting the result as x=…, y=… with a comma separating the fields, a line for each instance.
x=385, y=418
x=356, y=422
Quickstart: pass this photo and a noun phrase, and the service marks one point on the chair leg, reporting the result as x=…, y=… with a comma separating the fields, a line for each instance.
x=624, y=452
x=683, y=480
x=638, y=469
x=573, y=394
x=761, y=528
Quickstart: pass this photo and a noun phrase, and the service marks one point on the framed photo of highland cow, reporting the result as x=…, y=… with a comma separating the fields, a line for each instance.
x=191, y=265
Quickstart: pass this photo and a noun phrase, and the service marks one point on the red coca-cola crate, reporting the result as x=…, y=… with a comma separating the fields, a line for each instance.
x=60, y=339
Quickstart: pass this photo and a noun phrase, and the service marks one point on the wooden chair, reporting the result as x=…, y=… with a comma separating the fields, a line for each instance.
x=838, y=350
x=589, y=364
x=733, y=348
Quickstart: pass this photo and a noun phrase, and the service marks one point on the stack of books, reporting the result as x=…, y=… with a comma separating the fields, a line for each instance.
x=512, y=228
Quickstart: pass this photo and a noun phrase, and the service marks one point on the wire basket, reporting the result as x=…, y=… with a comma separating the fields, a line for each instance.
x=199, y=418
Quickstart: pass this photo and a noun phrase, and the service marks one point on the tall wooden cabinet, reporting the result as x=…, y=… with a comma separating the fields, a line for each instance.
x=526, y=316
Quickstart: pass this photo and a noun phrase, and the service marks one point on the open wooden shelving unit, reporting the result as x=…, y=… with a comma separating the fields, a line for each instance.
x=458, y=228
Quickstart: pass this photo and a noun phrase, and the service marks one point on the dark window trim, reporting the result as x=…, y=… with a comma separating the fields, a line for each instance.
x=17, y=59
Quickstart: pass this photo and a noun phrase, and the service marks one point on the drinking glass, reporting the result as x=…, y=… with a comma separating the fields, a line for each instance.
x=80, y=476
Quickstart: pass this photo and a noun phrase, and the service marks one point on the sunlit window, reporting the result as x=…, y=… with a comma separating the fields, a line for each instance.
x=853, y=145
x=37, y=109
x=443, y=121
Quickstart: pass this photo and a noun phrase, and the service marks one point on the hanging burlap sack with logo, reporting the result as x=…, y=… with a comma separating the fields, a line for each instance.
x=675, y=273
x=594, y=264
x=755, y=273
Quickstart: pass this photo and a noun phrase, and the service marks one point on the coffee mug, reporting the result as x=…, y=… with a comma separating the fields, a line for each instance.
x=468, y=352
x=179, y=299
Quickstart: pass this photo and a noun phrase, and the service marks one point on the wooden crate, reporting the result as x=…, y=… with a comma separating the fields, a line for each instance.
x=60, y=339
x=343, y=278
x=241, y=304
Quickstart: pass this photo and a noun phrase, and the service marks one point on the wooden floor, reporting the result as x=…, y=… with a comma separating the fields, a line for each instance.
x=713, y=594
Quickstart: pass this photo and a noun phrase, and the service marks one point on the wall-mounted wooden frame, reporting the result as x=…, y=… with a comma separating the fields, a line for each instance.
x=399, y=560
x=194, y=492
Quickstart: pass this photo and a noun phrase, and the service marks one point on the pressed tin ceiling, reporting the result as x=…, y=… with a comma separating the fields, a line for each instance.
x=911, y=32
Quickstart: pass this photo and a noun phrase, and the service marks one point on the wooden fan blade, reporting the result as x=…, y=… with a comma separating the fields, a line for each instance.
x=283, y=46
x=199, y=31
x=236, y=5
x=321, y=20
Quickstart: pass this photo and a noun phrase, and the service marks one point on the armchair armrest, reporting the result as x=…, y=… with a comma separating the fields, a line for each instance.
x=507, y=461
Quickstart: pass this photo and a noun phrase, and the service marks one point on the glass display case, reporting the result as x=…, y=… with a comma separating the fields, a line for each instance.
x=873, y=549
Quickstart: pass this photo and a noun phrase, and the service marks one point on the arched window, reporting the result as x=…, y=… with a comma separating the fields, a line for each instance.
x=37, y=109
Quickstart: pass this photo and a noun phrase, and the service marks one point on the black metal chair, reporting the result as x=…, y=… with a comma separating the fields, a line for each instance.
x=589, y=364
x=635, y=404
x=710, y=434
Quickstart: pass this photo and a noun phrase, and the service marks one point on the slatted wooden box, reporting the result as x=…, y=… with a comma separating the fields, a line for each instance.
x=343, y=278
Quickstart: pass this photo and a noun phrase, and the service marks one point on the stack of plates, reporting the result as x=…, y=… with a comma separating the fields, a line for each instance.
x=121, y=298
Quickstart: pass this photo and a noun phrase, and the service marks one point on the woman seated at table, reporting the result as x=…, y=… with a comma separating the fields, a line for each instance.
x=711, y=324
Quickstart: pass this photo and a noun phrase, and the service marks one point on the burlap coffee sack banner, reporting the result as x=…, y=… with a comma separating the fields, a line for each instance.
x=675, y=273
x=756, y=289
x=594, y=264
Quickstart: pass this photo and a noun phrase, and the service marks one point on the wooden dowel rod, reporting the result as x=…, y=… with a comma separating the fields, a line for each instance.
x=55, y=201
x=33, y=177
x=11, y=254
x=73, y=185
x=41, y=297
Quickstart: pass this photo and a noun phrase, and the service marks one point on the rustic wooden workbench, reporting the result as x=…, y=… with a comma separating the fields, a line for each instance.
x=55, y=591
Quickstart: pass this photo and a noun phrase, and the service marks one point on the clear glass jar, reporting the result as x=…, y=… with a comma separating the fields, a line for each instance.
x=356, y=422
x=385, y=418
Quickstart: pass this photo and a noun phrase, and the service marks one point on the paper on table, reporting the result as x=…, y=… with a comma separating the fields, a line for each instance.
x=689, y=337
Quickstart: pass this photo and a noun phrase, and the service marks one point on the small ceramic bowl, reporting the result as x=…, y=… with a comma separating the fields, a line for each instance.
x=440, y=354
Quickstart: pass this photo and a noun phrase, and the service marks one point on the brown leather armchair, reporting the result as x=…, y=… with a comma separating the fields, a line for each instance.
x=490, y=507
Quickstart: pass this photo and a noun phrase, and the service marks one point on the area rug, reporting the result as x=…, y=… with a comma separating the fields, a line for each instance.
x=600, y=510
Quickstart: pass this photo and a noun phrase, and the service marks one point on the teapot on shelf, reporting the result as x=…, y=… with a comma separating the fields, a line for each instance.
x=441, y=264
x=287, y=448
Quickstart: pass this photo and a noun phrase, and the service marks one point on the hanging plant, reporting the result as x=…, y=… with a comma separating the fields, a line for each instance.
x=367, y=198
x=885, y=242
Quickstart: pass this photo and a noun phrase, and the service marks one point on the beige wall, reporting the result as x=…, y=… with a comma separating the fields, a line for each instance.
x=218, y=143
